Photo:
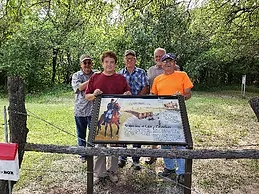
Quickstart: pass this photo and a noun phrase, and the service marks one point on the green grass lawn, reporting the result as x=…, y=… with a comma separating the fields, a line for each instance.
x=218, y=120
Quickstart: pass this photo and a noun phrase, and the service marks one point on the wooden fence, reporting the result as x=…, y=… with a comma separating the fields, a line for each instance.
x=187, y=154
x=18, y=134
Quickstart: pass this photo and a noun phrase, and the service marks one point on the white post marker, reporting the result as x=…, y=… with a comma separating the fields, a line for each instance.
x=9, y=164
x=243, y=85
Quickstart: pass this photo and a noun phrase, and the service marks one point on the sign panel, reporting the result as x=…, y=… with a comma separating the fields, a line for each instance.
x=243, y=79
x=140, y=119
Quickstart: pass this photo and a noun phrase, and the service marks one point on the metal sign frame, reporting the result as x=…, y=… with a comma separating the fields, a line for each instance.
x=151, y=120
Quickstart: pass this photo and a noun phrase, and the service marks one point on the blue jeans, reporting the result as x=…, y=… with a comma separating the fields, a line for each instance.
x=81, y=126
x=134, y=158
x=170, y=163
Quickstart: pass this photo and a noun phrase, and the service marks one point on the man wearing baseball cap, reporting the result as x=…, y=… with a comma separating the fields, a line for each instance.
x=172, y=82
x=82, y=110
x=139, y=85
x=152, y=73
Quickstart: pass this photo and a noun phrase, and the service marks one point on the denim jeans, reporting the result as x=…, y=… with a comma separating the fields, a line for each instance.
x=81, y=127
x=170, y=163
x=134, y=158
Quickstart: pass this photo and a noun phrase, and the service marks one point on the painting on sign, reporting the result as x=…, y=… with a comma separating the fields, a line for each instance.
x=159, y=120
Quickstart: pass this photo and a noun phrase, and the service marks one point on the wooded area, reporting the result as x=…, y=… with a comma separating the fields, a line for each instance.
x=215, y=41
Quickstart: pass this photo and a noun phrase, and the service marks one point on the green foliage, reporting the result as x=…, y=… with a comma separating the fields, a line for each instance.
x=230, y=49
x=215, y=42
x=28, y=57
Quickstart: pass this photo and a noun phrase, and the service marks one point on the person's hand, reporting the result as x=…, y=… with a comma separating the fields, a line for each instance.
x=127, y=93
x=97, y=92
x=177, y=93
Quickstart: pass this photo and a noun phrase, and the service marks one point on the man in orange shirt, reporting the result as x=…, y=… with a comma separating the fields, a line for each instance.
x=172, y=82
x=152, y=73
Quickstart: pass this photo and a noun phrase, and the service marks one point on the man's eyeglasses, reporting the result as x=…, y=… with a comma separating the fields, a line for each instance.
x=87, y=63
x=130, y=58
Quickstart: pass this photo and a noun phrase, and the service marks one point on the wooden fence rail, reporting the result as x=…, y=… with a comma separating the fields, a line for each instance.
x=115, y=151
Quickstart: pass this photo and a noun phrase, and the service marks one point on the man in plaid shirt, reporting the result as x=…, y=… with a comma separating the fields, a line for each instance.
x=139, y=85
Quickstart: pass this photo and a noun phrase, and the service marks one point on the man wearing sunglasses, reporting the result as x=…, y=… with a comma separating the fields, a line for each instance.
x=82, y=110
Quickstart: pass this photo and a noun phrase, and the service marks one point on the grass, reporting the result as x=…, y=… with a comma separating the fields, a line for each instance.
x=224, y=120
x=218, y=119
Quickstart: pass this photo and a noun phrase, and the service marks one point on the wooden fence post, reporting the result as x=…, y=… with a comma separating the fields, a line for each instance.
x=254, y=103
x=17, y=122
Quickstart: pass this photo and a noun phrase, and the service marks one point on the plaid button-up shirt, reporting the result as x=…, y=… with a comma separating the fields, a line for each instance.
x=137, y=80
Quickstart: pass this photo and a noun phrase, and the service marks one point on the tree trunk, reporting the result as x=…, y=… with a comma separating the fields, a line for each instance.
x=17, y=120
x=68, y=67
x=254, y=103
x=3, y=78
x=54, y=65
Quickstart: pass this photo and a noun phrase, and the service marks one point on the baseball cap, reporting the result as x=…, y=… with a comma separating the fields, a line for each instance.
x=130, y=52
x=168, y=56
x=85, y=57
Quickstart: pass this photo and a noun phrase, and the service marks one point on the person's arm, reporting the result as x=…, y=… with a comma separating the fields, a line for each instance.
x=188, y=85
x=83, y=86
x=144, y=81
x=75, y=82
x=92, y=96
x=187, y=93
x=90, y=91
x=144, y=91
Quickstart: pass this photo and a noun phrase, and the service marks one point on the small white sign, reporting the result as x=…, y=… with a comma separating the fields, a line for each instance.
x=243, y=79
x=9, y=163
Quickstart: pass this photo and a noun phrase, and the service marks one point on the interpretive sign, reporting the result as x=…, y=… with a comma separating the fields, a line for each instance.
x=140, y=119
x=152, y=120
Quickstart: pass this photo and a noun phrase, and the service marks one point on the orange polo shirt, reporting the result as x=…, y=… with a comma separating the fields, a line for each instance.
x=169, y=84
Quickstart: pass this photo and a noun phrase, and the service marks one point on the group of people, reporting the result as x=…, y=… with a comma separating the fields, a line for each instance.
x=164, y=78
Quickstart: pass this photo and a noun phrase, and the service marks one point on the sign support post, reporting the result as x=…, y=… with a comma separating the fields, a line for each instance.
x=90, y=159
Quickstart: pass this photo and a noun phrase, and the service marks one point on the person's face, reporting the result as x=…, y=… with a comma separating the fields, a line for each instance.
x=130, y=61
x=157, y=57
x=108, y=65
x=168, y=66
x=86, y=66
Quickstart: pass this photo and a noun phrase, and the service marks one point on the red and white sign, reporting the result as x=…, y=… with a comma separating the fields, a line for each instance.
x=9, y=164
